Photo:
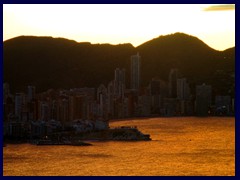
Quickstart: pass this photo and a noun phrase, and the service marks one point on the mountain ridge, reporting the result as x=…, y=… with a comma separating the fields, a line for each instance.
x=126, y=43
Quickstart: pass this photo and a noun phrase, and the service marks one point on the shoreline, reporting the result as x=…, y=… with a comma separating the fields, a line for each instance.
x=24, y=141
x=123, y=133
x=167, y=117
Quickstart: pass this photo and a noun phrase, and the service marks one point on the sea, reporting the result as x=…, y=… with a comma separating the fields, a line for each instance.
x=180, y=146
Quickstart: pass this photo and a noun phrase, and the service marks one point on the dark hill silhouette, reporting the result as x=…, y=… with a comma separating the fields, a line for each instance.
x=187, y=53
x=60, y=63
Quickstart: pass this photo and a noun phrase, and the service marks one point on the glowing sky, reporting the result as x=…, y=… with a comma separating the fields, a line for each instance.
x=125, y=23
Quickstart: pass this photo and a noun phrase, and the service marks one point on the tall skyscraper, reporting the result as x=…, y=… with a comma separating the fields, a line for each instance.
x=173, y=76
x=183, y=90
x=102, y=100
x=110, y=94
x=119, y=82
x=135, y=71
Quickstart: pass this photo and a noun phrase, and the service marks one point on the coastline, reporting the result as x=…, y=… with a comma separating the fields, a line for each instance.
x=167, y=117
x=98, y=136
x=121, y=133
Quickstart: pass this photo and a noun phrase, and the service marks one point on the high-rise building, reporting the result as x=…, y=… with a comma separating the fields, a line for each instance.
x=45, y=115
x=203, y=99
x=183, y=90
x=6, y=91
x=19, y=103
x=135, y=71
x=119, y=75
x=110, y=93
x=157, y=91
x=102, y=100
x=155, y=87
x=173, y=76
x=31, y=93
x=119, y=82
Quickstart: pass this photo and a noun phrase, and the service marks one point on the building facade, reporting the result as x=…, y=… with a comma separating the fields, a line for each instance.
x=135, y=71
x=203, y=99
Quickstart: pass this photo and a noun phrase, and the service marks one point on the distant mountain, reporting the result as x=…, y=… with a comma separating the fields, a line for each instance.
x=48, y=62
x=196, y=60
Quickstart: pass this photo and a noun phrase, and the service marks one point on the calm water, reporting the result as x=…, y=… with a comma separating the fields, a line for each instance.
x=179, y=146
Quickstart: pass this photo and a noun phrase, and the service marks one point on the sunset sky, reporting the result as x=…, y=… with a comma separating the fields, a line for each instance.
x=125, y=23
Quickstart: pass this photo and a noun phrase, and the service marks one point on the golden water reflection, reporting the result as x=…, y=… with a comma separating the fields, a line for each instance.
x=179, y=146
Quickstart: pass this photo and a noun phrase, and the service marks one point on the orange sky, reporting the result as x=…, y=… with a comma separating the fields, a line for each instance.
x=124, y=23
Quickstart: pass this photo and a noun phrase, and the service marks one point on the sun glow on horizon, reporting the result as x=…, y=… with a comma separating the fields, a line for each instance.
x=122, y=23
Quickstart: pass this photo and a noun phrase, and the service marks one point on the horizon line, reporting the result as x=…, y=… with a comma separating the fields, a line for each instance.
x=106, y=43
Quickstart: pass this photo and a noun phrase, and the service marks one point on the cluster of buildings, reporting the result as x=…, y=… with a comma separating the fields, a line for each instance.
x=90, y=109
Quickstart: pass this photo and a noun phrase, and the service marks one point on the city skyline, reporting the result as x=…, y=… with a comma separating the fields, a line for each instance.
x=125, y=23
x=116, y=100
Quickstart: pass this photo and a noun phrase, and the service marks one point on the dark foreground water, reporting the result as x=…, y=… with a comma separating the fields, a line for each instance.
x=179, y=146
